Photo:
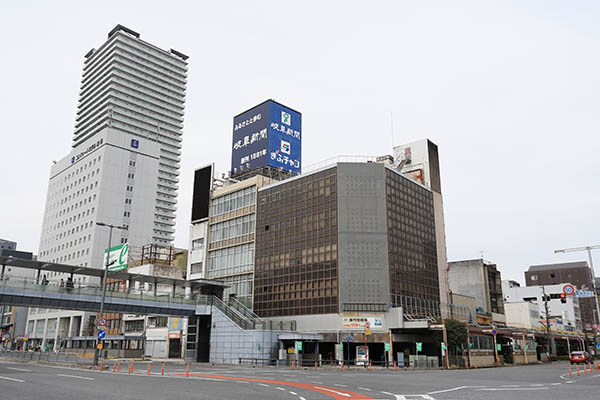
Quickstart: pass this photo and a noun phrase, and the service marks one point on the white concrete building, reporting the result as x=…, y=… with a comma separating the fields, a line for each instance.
x=222, y=247
x=564, y=316
x=123, y=168
x=523, y=314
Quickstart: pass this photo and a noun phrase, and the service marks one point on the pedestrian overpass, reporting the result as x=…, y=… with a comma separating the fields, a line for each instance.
x=185, y=298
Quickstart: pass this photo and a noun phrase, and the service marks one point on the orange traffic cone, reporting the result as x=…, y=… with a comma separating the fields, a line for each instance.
x=578, y=370
x=570, y=372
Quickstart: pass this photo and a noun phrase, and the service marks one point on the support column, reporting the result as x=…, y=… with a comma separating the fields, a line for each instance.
x=2, y=275
x=69, y=332
x=45, y=334
x=56, y=331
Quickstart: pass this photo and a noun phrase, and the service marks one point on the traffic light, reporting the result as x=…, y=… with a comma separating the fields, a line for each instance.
x=563, y=298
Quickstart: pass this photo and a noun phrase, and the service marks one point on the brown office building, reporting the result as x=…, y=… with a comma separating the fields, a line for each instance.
x=343, y=240
x=577, y=273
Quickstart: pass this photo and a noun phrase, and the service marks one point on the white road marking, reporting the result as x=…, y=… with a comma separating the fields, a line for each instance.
x=241, y=381
x=76, y=376
x=557, y=383
x=453, y=389
x=280, y=388
x=364, y=388
x=318, y=382
x=388, y=393
x=264, y=384
x=510, y=386
x=294, y=393
x=301, y=398
x=537, y=384
x=501, y=389
x=19, y=369
x=340, y=385
x=421, y=396
x=11, y=379
x=333, y=391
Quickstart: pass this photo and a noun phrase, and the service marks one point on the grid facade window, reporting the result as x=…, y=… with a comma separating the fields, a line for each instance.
x=233, y=201
x=240, y=286
x=411, y=239
x=231, y=260
x=196, y=268
x=296, y=271
x=232, y=228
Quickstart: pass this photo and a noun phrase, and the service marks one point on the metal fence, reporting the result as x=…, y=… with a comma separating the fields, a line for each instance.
x=58, y=357
x=418, y=308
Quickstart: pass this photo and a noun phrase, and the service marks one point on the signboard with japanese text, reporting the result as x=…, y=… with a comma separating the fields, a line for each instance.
x=117, y=258
x=285, y=145
x=268, y=134
x=360, y=323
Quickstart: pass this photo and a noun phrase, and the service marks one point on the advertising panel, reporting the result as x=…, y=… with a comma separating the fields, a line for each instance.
x=268, y=134
x=285, y=144
x=117, y=258
x=201, y=196
x=361, y=323
x=250, y=139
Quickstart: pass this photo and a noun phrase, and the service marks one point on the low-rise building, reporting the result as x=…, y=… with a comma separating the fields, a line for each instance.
x=482, y=280
x=564, y=311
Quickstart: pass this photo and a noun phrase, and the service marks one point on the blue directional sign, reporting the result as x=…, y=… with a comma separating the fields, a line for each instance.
x=348, y=339
x=101, y=334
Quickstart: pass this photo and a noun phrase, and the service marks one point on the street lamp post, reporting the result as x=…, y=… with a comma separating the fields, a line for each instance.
x=106, y=265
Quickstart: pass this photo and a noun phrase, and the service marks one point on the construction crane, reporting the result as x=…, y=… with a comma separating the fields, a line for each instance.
x=589, y=251
x=585, y=248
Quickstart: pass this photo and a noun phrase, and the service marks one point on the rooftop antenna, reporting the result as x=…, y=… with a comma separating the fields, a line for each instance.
x=392, y=128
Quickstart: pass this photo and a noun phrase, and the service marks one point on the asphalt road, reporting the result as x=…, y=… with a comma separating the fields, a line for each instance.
x=25, y=381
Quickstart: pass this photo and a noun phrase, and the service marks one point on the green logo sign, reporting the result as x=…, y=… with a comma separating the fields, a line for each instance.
x=420, y=346
x=286, y=118
x=117, y=258
x=499, y=347
x=387, y=346
x=298, y=346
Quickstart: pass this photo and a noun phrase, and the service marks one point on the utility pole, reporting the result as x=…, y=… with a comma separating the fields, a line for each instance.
x=548, y=330
x=106, y=265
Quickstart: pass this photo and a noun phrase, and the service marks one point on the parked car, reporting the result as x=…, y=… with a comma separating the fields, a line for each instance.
x=579, y=357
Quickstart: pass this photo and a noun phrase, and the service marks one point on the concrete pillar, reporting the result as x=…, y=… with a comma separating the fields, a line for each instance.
x=45, y=335
x=55, y=345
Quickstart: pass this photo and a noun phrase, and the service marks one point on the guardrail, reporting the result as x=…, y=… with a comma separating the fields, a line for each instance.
x=55, y=357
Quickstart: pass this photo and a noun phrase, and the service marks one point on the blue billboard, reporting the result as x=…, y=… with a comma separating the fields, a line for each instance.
x=268, y=134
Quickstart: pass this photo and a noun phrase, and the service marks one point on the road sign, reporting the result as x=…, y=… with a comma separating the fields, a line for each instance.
x=102, y=321
x=595, y=325
x=598, y=346
x=589, y=326
x=100, y=346
x=568, y=289
x=367, y=331
x=101, y=334
x=348, y=339
x=387, y=346
x=298, y=346
x=494, y=332
x=419, y=346
x=117, y=258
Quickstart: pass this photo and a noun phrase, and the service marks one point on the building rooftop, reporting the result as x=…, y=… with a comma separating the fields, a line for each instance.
x=548, y=267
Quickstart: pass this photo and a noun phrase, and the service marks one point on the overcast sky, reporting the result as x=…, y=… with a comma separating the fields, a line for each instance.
x=509, y=90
